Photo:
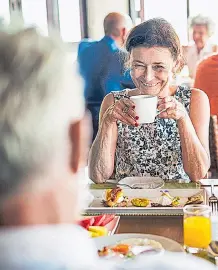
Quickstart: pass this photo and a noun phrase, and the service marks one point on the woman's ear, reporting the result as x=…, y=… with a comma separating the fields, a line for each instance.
x=179, y=64
x=80, y=137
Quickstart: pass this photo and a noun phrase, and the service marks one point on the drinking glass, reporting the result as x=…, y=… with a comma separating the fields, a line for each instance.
x=197, y=227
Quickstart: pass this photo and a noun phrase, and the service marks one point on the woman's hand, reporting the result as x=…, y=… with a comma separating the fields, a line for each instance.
x=171, y=108
x=122, y=110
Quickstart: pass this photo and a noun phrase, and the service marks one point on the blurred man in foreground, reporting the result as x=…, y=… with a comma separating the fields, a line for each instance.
x=102, y=63
x=42, y=151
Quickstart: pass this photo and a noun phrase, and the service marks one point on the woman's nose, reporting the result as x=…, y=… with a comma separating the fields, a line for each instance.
x=149, y=74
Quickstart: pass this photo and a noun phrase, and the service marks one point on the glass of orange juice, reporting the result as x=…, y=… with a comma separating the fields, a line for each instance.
x=197, y=227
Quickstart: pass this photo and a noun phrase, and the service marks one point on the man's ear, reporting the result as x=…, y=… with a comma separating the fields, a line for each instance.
x=75, y=145
x=80, y=137
x=124, y=32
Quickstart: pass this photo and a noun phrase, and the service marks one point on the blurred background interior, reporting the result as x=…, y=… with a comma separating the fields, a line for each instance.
x=77, y=19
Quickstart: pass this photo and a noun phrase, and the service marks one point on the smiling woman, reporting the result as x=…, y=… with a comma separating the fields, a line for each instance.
x=175, y=145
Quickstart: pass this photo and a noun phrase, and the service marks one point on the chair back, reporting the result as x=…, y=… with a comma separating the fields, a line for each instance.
x=213, y=145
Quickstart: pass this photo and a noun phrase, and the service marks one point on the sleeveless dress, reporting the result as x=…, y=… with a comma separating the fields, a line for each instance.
x=151, y=149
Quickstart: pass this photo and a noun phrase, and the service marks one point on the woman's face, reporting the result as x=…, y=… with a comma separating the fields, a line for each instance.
x=151, y=69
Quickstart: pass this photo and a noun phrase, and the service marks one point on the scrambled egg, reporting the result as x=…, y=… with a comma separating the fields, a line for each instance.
x=140, y=202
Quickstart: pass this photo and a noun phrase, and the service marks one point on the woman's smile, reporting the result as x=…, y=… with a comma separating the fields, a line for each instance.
x=150, y=84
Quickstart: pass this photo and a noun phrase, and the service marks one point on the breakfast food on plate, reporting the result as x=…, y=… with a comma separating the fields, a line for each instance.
x=96, y=231
x=140, y=202
x=166, y=200
x=196, y=199
x=130, y=248
x=115, y=198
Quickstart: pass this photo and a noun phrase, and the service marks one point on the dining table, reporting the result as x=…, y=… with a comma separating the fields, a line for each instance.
x=170, y=226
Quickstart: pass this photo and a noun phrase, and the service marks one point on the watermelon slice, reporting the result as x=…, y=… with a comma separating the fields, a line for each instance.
x=107, y=220
x=85, y=223
x=99, y=220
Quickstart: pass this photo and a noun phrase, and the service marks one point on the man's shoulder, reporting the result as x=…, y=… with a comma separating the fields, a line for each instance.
x=85, y=44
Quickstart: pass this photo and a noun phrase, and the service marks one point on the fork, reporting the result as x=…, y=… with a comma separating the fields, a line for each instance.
x=213, y=250
x=213, y=200
x=126, y=185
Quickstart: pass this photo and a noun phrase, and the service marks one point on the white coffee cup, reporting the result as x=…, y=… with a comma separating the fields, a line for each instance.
x=145, y=107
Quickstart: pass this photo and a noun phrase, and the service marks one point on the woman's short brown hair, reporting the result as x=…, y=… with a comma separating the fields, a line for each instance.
x=155, y=32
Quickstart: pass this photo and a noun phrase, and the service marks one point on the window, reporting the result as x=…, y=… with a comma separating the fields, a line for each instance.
x=4, y=12
x=69, y=16
x=173, y=11
x=35, y=14
x=205, y=8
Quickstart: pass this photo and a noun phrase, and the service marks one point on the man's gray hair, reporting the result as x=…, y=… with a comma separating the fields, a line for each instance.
x=40, y=95
x=203, y=20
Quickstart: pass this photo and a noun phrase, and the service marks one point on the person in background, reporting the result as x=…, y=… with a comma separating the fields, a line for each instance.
x=202, y=29
x=101, y=63
x=43, y=137
x=207, y=80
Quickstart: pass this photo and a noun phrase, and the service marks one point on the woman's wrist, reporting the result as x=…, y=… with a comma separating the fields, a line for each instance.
x=184, y=117
x=106, y=123
x=107, y=118
x=184, y=122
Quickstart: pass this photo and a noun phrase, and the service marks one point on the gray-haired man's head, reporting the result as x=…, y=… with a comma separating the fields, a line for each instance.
x=41, y=105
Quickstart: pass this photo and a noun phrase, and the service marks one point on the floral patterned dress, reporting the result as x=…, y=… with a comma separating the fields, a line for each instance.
x=151, y=149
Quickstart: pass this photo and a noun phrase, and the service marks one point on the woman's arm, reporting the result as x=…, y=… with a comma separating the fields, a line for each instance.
x=102, y=153
x=193, y=130
x=194, y=136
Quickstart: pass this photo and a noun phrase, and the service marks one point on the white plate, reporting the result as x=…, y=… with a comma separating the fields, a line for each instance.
x=143, y=182
x=208, y=182
x=97, y=208
x=168, y=244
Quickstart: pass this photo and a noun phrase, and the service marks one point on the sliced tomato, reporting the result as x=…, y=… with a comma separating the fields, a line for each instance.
x=108, y=219
x=99, y=220
x=85, y=223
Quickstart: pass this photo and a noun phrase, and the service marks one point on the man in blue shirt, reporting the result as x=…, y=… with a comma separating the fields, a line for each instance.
x=101, y=63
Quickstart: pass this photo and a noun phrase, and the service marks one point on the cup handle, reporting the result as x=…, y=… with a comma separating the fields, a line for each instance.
x=161, y=112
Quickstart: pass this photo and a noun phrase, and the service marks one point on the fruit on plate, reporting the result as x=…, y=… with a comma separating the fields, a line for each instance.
x=85, y=223
x=101, y=220
x=115, y=198
x=140, y=202
x=96, y=231
x=108, y=219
